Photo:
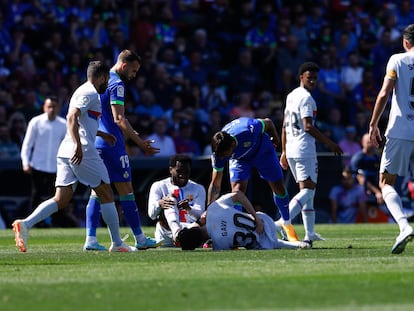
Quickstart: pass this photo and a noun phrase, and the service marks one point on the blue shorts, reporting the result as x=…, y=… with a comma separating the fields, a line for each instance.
x=117, y=164
x=265, y=161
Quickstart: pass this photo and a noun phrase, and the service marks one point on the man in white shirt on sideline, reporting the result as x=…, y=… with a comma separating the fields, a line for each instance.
x=40, y=145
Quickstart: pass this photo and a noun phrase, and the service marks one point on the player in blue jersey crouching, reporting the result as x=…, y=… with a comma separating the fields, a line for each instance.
x=246, y=143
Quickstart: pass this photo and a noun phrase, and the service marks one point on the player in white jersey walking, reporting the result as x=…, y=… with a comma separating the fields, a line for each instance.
x=79, y=161
x=299, y=149
x=398, y=153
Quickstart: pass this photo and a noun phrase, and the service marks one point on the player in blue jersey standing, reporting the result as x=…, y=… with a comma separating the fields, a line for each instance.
x=248, y=143
x=116, y=159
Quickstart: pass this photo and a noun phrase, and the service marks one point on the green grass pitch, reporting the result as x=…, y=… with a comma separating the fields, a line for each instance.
x=352, y=270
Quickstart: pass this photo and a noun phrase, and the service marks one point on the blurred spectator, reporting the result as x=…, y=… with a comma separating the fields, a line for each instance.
x=142, y=28
x=210, y=58
x=195, y=72
x=262, y=42
x=243, y=107
x=381, y=52
x=165, y=30
x=161, y=139
x=300, y=31
x=363, y=95
x=220, y=22
x=243, y=76
x=289, y=58
x=404, y=14
x=162, y=86
x=148, y=106
x=17, y=125
x=330, y=91
x=390, y=24
x=347, y=200
x=184, y=142
x=8, y=148
x=349, y=144
x=335, y=124
x=212, y=93
x=351, y=72
x=367, y=38
x=364, y=165
x=215, y=123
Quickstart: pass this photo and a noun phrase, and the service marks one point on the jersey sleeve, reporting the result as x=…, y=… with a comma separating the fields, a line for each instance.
x=117, y=94
x=217, y=164
x=391, y=70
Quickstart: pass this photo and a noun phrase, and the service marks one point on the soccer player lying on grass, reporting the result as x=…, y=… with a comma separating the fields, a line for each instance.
x=228, y=228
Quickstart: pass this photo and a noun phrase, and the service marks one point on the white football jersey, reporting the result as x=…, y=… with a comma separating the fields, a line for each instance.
x=299, y=104
x=86, y=99
x=192, y=191
x=229, y=228
x=400, y=68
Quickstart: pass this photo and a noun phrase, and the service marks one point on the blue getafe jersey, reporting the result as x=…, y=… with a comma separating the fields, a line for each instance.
x=114, y=95
x=248, y=134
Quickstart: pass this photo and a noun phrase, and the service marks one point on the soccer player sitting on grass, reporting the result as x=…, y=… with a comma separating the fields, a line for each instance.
x=180, y=190
x=228, y=228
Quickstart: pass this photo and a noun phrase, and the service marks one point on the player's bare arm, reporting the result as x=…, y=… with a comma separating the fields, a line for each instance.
x=270, y=128
x=380, y=103
x=73, y=128
x=314, y=131
x=239, y=196
x=214, y=187
x=109, y=138
x=129, y=132
x=283, y=160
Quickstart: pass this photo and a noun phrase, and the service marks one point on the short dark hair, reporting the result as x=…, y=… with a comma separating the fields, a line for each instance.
x=308, y=66
x=97, y=69
x=221, y=142
x=191, y=238
x=182, y=158
x=408, y=33
x=128, y=56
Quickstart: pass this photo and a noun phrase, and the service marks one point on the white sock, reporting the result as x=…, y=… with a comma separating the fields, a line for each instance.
x=43, y=211
x=173, y=219
x=110, y=216
x=308, y=215
x=394, y=205
x=91, y=240
x=299, y=200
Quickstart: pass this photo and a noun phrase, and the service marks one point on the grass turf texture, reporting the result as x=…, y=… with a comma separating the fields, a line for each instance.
x=352, y=270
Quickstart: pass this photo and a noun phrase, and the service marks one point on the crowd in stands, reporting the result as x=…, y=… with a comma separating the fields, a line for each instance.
x=205, y=62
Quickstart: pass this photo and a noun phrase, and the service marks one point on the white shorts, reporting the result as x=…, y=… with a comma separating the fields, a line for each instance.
x=397, y=156
x=90, y=172
x=303, y=168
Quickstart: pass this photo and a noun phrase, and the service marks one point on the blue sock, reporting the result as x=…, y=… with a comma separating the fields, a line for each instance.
x=93, y=215
x=282, y=202
x=131, y=215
